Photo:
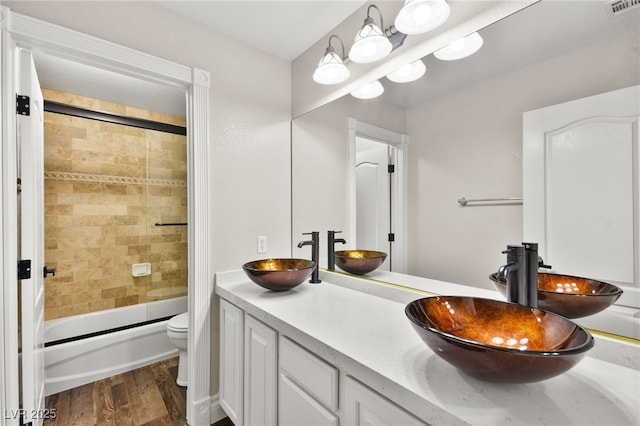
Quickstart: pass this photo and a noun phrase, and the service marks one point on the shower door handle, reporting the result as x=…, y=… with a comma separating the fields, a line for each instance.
x=46, y=271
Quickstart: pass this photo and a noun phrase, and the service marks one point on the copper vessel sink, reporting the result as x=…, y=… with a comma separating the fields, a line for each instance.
x=498, y=341
x=359, y=262
x=569, y=296
x=279, y=274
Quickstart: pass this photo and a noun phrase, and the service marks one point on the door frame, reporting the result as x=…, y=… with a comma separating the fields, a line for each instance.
x=399, y=198
x=19, y=31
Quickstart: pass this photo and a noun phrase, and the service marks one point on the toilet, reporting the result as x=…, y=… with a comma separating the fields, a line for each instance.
x=177, y=330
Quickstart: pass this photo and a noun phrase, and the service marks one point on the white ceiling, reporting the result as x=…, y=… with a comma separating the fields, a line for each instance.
x=284, y=28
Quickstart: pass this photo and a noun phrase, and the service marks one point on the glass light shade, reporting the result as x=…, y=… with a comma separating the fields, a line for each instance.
x=370, y=44
x=461, y=48
x=420, y=16
x=408, y=72
x=368, y=91
x=331, y=70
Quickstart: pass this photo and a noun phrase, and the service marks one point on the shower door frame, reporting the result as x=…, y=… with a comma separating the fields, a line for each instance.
x=19, y=31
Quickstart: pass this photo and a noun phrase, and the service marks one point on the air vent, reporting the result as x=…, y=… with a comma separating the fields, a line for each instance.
x=617, y=7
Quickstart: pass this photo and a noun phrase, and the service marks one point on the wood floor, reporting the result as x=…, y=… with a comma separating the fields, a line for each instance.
x=148, y=396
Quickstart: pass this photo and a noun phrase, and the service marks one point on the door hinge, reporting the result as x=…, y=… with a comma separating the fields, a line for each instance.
x=391, y=168
x=24, y=269
x=22, y=105
x=392, y=237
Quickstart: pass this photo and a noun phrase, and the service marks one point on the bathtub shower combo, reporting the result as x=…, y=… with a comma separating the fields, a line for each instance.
x=116, y=234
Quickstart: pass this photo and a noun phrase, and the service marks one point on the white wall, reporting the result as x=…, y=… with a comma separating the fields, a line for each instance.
x=470, y=144
x=250, y=119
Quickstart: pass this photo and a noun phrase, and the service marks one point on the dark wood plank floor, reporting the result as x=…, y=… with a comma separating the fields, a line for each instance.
x=147, y=396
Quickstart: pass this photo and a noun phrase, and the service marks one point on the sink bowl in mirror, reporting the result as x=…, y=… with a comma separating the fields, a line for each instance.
x=279, y=274
x=572, y=297
x=498, y=341
x=359, y=262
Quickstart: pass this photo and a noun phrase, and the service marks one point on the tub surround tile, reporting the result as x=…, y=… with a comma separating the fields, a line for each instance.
x=101, y=203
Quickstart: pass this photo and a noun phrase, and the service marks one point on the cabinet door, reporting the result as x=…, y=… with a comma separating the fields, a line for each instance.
x=296, y=407
x=231, y=361
x=260, y=379
x=365, y=407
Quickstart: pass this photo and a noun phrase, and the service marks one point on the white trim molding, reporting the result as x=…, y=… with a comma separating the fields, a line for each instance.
x=20, y=31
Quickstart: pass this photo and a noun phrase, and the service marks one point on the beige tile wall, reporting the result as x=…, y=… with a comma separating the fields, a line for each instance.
x=106, y=185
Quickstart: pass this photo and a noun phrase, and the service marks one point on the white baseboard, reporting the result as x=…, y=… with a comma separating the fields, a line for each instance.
x=207, y=412
x=217, y=413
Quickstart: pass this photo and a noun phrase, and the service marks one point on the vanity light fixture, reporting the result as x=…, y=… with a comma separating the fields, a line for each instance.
x=370, y=43
x=420, y=16
x=331, y=68
x=368, y=91
x=460, y=48
x=408, y=72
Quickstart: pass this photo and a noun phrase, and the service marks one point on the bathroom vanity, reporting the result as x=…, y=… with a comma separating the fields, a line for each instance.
x=343, y=352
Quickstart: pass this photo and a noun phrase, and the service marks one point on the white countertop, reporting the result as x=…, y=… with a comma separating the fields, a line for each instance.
x=360, y=327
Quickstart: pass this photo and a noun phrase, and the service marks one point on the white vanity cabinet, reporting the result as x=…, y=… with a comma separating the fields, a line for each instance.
x=308, y=387
x=267, y=378
x=365, y=407
x=248, y=368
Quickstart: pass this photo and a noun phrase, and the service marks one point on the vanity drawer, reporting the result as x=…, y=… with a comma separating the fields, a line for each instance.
x=317, y=377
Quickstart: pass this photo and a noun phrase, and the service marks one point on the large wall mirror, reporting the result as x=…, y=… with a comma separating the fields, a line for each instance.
x=464, y=122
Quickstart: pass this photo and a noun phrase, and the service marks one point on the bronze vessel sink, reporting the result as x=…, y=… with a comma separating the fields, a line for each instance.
x=279, y=274
x=498, y=341
x=359, y=262
x=569, y=296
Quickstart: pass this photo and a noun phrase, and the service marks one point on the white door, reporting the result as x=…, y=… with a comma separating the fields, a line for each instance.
x=582, y=190
x=31, y=204
x=373, y=197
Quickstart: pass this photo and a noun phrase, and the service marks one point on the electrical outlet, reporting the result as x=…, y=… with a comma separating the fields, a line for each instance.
x=262, y=244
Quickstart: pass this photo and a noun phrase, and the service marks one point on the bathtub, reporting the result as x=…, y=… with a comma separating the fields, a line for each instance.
x=69, y=364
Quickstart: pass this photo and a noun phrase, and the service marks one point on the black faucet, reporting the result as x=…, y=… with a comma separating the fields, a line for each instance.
x=315, y=253
x=331, y=248
x=521, y=273
x=515, y=272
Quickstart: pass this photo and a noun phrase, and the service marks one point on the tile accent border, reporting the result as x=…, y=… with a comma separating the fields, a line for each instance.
x=118, y=180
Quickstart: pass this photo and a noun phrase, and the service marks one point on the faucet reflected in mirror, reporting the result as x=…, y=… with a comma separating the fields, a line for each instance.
x=521, y=273
x=314, y=242
x=331, y=248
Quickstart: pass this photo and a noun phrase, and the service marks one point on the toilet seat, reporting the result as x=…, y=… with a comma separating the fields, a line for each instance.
x=179, y=323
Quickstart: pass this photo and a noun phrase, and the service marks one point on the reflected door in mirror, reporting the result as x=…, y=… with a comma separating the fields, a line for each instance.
x=586, y=187
x=373, y=196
